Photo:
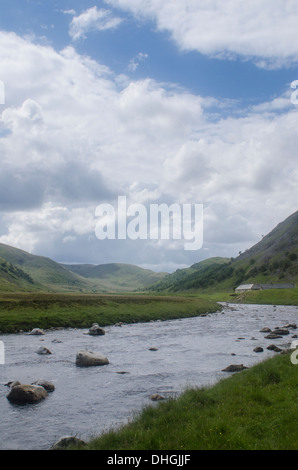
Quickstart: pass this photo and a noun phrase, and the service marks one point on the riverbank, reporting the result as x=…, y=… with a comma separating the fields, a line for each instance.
x=255, y=409
x=259, y=297
x=23, y=312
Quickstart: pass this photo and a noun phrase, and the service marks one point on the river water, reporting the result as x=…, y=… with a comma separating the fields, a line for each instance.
x=87, y=401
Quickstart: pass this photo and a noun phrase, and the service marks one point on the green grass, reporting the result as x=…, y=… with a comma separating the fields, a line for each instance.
x=25, y=311
x=256, y=409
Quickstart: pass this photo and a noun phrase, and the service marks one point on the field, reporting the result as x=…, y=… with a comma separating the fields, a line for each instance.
x=25, y=311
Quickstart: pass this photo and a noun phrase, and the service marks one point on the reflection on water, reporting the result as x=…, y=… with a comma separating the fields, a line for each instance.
x=156, y=357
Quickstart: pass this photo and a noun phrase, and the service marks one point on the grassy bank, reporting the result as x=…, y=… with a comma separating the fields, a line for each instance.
x=268, y=297
x=256, y=409
x=26, y=311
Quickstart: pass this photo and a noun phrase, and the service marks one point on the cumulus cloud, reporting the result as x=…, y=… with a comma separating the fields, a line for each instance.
x=78, y=135
x=259, y=29
x=93, y=19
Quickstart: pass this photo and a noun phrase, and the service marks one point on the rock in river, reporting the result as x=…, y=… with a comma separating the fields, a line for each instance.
x=49, y=386
x=23, y=393
x=234, y=368
x=43, y=350
x=96, y=330
x=89, y=358
x=36, y=331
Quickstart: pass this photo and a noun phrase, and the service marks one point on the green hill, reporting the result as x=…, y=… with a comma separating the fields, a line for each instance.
x=273, y=259
x=44, y=273
x=116, y=277
x=12, y=278
x=199, y=275
x=22, y=271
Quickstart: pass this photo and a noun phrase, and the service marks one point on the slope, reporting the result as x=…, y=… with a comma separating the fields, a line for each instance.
x=272, y=260
x=45, y=274
x=116, y=277
x=202, y=274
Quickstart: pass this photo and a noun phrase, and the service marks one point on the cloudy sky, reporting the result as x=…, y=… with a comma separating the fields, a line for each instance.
x=160, y=101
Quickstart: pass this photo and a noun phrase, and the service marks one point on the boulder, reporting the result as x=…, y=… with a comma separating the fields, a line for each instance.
x=273, y=336
x=96, y=330
x=156, y=397
x=89, y=359
x=265, y=330
x=274, y=348
x=291, y=325
x=234, y=368
x=43, y=350
x=67, y=442
x=281, y=331
x=13, y=383
x=48, y=386
x=36, y=331
x=23, y=393
x=258, y=349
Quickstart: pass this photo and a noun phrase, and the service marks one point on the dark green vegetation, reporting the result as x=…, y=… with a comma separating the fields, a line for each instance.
x=274, y=259
x=25, y=311
x=255, y=409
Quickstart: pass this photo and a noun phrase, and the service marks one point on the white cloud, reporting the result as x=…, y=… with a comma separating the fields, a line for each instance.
x=263, y=30
x=93, y=19
x=77, y=136
x=135, y=61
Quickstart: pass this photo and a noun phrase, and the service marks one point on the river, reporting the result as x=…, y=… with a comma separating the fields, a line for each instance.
x=87, y=401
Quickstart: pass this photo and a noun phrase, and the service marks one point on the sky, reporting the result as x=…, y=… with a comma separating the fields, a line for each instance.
x=185, y=102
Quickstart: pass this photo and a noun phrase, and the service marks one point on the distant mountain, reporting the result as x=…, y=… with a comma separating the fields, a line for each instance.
x=23, y=271
x=273, y=259
x=116, y=277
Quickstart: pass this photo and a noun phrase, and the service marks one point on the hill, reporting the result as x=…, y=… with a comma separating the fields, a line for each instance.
x=201, y=274
x=40, y=273
x=22, y=271
x=12, y=278
x=273, y=259
x=116, y=277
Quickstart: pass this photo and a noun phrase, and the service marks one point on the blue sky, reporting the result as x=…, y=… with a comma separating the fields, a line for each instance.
x=161, y=101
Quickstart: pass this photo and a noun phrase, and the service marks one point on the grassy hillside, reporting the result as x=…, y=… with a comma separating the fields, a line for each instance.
x=22, y=271
x=116, y=277
x=274, y=259
x=201, y=274
x=44, y=273
x=13, y=278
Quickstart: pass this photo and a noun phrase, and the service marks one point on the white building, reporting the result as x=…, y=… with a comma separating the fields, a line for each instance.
x=246, y=287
